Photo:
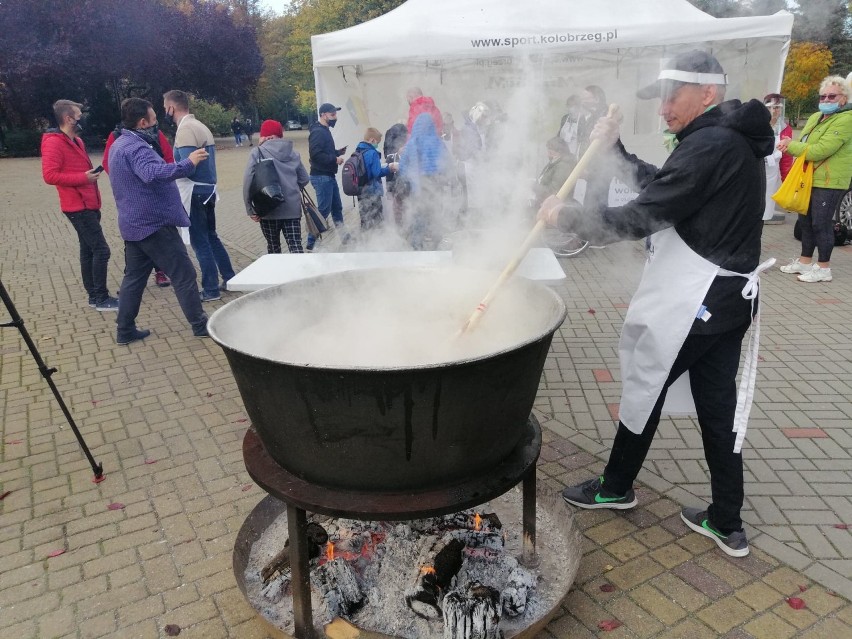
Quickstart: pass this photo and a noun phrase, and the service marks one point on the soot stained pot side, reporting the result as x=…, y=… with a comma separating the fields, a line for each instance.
x=385, y=429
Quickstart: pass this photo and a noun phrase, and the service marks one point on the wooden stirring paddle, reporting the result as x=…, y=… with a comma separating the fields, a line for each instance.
x=521, y=253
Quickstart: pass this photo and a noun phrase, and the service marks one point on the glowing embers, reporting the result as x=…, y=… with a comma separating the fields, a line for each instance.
x=452, y=572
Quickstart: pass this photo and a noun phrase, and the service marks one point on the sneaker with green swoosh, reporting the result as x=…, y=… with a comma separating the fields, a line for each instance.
x=734, y=544
x=591, y=494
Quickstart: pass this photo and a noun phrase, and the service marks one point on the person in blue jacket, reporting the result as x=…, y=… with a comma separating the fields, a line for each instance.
x=370, y=200
x=427, y=165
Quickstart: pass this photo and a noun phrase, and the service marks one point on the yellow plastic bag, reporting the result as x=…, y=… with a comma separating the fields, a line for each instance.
x=795, y=192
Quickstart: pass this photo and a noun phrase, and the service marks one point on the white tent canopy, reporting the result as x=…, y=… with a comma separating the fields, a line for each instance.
x=527, y=58
x=530, y=56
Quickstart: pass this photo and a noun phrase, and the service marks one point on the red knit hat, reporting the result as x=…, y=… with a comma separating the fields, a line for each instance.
x=271, y=127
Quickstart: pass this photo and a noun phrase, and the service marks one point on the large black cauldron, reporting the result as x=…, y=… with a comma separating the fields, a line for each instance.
x=385, y=429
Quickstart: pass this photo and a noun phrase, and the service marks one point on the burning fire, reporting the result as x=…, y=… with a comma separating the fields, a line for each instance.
x=427, y=570
x=477, y=522
x=329, y=552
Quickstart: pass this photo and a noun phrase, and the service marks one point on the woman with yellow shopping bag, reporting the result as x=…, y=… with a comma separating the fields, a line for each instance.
x=824, y=152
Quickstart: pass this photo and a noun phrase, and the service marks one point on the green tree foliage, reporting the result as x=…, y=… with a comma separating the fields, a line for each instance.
x=214, y=115
x=275, y=93
x=826, y=22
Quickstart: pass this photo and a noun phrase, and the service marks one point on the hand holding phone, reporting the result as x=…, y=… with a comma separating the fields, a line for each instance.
x=99, y=168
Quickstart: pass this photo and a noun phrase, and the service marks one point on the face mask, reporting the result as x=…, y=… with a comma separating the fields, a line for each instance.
x=828, y=107
x=79, y=124
x=169, y=119
x=670, y=141
x=331, y=123
x=149, y=134
x=375, y=146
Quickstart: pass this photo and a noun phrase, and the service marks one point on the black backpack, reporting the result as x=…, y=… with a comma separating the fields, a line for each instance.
x=265, y=192
x=354, y=174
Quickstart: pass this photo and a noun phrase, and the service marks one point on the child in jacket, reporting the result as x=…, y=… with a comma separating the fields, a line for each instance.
x=370, y=200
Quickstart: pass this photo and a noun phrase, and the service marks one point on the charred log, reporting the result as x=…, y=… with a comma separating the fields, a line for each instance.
x=435, y=577
x=280, y=563
x=473, y=613
x=481, y=543
x=339, y=589
x=274, y=590
x=517, y=591
x=467, y=520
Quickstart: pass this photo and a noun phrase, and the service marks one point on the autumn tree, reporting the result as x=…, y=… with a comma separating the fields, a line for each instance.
x=312, y=17
x=807, y=64
x=275, y=93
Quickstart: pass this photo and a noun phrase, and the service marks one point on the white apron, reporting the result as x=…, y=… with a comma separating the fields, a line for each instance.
x=674, y=284
x=773, y=180
x=185, y=186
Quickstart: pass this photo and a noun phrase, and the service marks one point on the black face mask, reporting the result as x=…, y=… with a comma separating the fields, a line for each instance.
x=150, y=134
x=331, y=123
x=81, y=123
x=169, y=119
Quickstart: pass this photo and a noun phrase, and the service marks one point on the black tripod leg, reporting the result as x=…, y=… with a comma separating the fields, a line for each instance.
x=46, y=372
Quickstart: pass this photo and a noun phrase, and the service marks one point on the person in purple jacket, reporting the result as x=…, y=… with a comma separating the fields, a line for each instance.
x=149, y=212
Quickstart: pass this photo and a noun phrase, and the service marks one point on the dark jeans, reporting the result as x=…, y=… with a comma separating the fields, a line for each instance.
x=328, y=200
x=272, y=230
x=370, y=210
x=818, y=225
x=94, y=253
x=212, y=257
x=712, y=362
x=165, y=248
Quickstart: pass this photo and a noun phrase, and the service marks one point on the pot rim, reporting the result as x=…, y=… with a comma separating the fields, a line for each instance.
x=559, y=318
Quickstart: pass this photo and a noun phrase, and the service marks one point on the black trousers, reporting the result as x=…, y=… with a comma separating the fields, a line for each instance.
x=818, y=225
x=712, y=362
x=94, y=253
x=165, y=248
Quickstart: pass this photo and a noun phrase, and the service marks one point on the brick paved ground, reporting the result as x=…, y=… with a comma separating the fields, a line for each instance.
x=165, y=418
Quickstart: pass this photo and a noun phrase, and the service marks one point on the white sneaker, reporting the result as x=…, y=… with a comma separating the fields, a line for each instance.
x=797, y=267
x=816, y=274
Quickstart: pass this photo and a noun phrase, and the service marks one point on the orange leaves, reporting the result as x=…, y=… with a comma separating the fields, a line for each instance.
x=807, y=64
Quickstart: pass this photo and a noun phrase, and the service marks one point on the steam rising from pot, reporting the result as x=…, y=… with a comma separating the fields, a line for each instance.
x=384, y=318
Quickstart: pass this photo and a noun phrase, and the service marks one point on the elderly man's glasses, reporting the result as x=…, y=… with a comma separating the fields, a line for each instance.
x=828, y=97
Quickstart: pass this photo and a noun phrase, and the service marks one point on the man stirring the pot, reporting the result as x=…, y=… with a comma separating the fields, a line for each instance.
x=697, y=296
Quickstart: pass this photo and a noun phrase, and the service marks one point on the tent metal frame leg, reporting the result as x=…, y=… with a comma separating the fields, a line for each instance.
x=18, y=322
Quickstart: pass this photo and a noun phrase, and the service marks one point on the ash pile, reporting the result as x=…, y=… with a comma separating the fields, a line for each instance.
x=450, y=577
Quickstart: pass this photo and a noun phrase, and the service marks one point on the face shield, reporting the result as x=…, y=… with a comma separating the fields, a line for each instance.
x=776, y=113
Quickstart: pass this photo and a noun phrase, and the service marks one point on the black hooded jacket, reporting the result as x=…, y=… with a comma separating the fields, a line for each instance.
x=712, y=190
x=321, y=152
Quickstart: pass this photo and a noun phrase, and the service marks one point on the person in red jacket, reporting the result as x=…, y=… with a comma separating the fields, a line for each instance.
x=419, y=103
x=66, y=165
x=164, y=150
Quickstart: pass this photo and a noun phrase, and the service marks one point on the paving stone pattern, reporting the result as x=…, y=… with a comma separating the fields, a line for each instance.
x=166, y=420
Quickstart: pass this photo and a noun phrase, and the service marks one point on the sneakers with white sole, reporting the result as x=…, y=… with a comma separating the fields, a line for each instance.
x=797, y=267
x=816, y=274
x=591, y=495
x=734, y=544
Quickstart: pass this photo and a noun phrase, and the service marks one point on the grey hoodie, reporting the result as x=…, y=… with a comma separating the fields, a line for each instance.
x=291, y=174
